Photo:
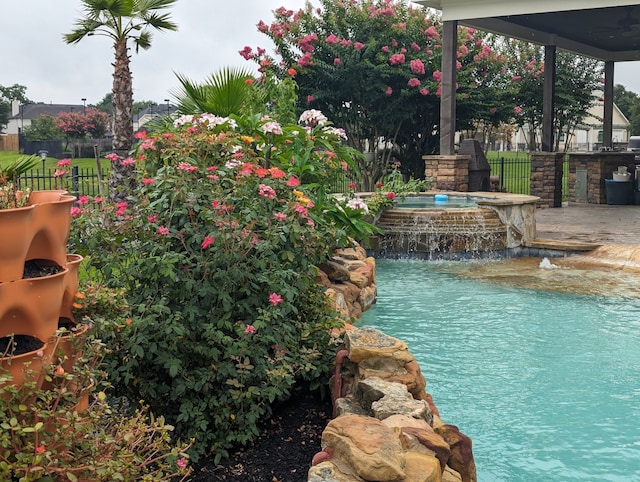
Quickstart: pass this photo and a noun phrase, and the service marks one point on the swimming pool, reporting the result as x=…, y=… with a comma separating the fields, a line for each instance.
x=546, y=384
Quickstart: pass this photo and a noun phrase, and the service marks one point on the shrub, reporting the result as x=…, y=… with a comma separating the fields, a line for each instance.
x=217, y=253
x=45, y=436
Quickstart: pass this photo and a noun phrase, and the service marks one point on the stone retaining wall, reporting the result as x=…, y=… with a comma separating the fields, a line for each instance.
x=386, y=426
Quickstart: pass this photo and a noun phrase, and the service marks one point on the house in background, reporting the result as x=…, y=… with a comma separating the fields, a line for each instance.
x=588, y=135
x=144, y=116
x=23, y=114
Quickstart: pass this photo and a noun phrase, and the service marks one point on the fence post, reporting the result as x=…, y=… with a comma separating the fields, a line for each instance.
x=501, y=173
x=74, y=181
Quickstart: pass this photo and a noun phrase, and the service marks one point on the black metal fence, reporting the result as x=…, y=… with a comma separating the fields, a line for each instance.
x=514, y=175
x=81, y=181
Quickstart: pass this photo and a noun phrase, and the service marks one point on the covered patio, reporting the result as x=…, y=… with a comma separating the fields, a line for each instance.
x=607, y=31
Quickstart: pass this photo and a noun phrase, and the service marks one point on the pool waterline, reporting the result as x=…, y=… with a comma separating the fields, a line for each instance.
x=544, y=383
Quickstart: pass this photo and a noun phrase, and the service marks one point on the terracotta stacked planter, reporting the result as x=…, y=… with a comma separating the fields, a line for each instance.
x=37, y=234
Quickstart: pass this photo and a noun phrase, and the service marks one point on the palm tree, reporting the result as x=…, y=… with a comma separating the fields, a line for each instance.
x=223, y=93
x=121, y=21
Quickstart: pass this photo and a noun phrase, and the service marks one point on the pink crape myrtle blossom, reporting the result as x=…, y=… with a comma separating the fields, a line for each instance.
x=397, y=59
x=162, y=230
x=413, y=82
x=64, y=163
x=332, y=39
x=75, y=211
x=249, y=329
x=246, y=53
x=280, y=216
x=59, y=173
x=417, y=67
x=83, y=200
x=112, y=157
x=305, y=60
x=389, y=91
x=517, y=110
x=147, y=180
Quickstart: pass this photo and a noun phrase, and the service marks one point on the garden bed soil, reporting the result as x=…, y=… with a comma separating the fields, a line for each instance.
x=36, y=268
x=284, y=449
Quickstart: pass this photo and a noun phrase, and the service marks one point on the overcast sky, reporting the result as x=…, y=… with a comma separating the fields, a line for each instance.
x=210, y=34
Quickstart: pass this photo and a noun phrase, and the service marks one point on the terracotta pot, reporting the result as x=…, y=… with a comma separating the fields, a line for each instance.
x=16, y=235
x=32, y=306
x=52, y=219
x=37, y=231
x=25, y=367
x=70, y=285
x=70, y=342
x=80, y=406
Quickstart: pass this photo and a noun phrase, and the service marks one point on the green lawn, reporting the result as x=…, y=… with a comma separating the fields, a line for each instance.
x=8, y=157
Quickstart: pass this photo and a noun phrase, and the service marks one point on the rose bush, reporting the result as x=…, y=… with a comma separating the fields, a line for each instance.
x=217, y=254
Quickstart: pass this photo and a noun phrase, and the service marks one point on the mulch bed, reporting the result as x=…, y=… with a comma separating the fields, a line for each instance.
x=283, y=451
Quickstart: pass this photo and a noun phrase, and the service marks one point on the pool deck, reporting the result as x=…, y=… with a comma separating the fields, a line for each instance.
x=587, y=226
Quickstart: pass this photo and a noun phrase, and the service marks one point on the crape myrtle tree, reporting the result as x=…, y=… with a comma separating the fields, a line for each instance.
x=373, y=66
x=122, y=21
x=76, y=125
x=578, y=81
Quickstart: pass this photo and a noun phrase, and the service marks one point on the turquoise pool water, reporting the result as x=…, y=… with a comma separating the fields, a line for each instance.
x=547, y=385
x=430, y=202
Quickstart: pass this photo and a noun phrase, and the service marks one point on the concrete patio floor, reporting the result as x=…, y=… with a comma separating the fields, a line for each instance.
x=590, y=223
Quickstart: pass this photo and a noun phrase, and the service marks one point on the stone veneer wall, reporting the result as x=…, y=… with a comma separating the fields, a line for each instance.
x=546, y=178
x=599, y=166
x=387, y=427
x=449, y=173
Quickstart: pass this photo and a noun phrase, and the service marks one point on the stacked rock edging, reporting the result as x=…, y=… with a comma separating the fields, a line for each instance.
x=387, y=427
x=350, y=279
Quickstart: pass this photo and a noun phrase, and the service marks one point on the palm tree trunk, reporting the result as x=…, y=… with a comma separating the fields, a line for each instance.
x=122, y=179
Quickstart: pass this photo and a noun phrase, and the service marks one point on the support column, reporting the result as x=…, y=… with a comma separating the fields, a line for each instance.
x=548, y=96
x=448, y=98
x=546, y=178
x=449, y=173
x=607, y=118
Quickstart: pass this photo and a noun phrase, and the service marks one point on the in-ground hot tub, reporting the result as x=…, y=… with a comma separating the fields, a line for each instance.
x=455, y=225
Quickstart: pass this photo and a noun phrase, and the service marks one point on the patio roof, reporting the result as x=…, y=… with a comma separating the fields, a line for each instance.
x=608, y=31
